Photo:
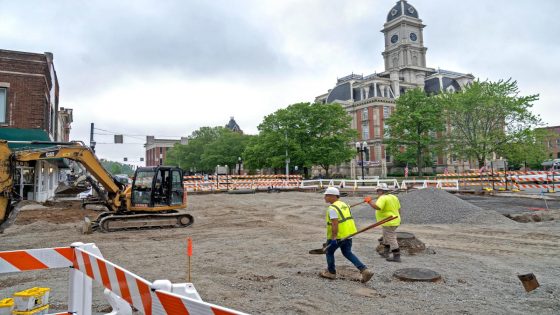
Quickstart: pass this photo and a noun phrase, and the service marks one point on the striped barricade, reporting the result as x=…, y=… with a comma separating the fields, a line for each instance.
x=86, y=260
x=445, y=184
x=36, y=259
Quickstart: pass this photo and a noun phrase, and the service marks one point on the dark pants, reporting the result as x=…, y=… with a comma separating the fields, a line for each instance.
x=346, y=249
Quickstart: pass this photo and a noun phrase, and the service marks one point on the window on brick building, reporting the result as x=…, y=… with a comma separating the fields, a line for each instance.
x=386, y=111
x=387, y=156
x=365, y=130
x=364, y=114
x=3, y=103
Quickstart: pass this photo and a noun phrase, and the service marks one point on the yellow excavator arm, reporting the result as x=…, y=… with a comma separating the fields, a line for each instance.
x=152, y=204
x=73, y=150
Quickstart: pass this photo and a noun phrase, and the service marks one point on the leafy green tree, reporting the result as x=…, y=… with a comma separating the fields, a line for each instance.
x=307, y=134
x=208, y=147
x=529, y=149
x=117, y=168
x=488, y=116
x=189, y=156
x=226, y=149
x=414, y=128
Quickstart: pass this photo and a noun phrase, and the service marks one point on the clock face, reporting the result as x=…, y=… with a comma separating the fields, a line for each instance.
x=394, y=38
x=413, y=37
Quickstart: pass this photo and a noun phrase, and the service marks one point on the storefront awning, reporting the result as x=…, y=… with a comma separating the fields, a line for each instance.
x=21, y=134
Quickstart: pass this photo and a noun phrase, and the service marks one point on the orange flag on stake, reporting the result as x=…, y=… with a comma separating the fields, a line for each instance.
x=189, y=247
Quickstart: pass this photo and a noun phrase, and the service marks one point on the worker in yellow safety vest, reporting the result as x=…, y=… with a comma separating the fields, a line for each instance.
x=387, y=205
x=340, y=224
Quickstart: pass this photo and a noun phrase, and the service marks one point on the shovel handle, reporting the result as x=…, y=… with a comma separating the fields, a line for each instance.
x=369, y=227
x=357, y=204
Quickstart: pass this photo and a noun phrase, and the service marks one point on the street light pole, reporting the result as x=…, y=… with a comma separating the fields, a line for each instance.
x=361, y=148
x=239, y=162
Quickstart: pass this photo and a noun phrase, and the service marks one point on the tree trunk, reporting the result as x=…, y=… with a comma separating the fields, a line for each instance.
x=480, y=163
x=326, y=171
x=419, y=160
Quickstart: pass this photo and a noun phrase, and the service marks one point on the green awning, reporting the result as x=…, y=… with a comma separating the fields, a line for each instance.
x=20, y=134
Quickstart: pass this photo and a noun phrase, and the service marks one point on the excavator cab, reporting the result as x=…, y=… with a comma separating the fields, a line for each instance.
x=157, y=188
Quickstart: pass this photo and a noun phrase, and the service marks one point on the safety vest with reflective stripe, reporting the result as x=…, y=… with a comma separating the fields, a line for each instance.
x=346, y=225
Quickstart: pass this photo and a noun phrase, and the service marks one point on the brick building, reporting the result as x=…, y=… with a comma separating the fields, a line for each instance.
x=29, y=98
x=553, y=142
x=371, y=99
x=156, y=149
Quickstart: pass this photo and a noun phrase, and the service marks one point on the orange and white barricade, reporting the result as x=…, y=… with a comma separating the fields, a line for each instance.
x=123, y=289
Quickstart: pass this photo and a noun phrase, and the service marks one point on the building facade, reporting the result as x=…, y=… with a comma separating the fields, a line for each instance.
x=553, y=142
x=370, y=99
x=156, y=149
x=29, y=111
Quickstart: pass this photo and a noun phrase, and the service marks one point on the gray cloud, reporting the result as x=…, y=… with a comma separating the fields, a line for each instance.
x=98, y=41
x=100, y=44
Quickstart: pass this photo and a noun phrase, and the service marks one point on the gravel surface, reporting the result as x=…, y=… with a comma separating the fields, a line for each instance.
x=251, y=254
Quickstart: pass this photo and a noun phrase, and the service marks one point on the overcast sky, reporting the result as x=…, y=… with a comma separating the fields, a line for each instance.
x=167, y=68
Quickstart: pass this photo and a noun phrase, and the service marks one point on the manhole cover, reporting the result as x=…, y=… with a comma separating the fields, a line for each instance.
x=417, y=274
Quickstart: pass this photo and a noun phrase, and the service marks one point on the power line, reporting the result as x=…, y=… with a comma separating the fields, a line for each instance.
x=110, y=133
x=119, y=143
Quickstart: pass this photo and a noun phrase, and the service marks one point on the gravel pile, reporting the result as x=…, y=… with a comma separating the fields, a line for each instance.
x=436, y=206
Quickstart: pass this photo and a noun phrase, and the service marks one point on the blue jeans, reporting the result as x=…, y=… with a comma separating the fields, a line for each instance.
x=346, y=249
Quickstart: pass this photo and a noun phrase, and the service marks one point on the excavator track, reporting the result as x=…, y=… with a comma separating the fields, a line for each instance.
x=108, y=222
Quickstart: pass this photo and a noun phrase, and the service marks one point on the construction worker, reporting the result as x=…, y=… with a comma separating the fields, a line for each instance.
x=340, y=224
x=387, y=205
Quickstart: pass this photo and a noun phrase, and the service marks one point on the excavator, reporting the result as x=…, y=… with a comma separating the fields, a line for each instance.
x=152, y=200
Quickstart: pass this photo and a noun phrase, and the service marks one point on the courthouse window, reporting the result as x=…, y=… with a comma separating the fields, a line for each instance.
x=365, y=130
x=364, y=114
x=386, y=112
x=3, y=104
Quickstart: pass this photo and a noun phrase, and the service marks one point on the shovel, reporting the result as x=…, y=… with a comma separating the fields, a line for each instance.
x=323, y=250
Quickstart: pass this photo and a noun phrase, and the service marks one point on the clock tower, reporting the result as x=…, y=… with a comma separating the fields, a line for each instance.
x=405, y=54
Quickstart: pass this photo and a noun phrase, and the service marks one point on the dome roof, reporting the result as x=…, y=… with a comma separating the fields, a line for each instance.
x=402, y=8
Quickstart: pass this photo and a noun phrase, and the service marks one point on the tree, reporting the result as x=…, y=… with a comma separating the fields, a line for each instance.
x=226, y=149
x=529, y=150
x=307, y=134
x=208, y=147
x=189, y=156
x=488, y=116
x=414, y=128
x=117, y=168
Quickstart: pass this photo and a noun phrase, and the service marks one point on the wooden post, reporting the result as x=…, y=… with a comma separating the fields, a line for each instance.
x=189, y=254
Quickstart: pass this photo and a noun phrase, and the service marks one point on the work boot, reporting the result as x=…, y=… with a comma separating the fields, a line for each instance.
x=386, y=250
x=328, y=275
x=366, y=275
x=396, y=255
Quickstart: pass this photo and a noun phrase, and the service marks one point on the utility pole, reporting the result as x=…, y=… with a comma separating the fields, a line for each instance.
x=91, y=142
x=287, y=159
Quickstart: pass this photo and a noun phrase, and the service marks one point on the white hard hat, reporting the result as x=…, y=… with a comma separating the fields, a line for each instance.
x=332, y=191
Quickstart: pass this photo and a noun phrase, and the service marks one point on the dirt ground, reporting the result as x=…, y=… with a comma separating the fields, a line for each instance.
x=251, y=254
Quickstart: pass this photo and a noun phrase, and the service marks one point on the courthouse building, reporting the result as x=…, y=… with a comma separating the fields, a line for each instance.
x=370, y=99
